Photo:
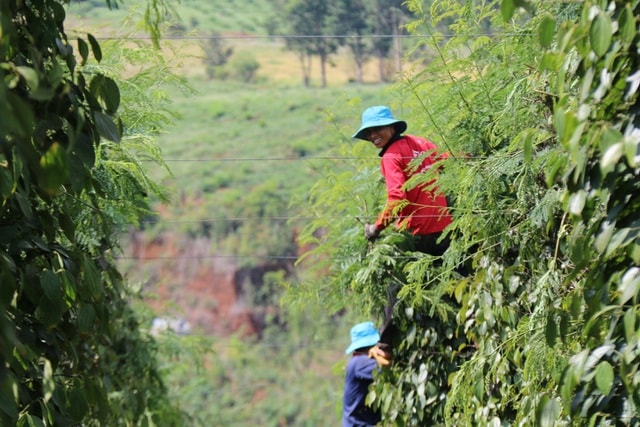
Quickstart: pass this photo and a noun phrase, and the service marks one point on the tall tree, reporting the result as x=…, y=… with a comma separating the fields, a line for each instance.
x=311, y=33
x=352, y=24
x=388, y=16
x=71, y=352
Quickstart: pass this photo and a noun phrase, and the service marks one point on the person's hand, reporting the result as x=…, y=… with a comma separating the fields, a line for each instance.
x=383, y=357
x=371, y=232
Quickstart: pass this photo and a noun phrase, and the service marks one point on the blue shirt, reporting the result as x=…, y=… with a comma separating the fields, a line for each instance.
x=356, y=386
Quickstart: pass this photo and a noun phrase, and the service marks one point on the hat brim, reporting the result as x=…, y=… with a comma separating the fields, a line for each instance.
x=368, y=341
x=400, y=126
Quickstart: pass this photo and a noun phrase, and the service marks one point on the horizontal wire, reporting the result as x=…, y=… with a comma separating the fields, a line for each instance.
x=188, y=257
x=226, y=256
x=277, y=218
x=240, y=159
x=308, y=36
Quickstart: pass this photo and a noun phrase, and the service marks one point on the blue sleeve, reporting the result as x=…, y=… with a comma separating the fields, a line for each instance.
x=364, y=368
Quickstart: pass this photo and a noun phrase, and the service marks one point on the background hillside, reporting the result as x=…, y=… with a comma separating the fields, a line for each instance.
x=217, y=257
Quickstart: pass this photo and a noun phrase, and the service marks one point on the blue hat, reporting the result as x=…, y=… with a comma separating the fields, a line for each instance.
x=363, y=334
x=378, y=116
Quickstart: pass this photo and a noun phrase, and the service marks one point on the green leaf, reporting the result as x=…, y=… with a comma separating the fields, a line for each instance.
x=110, y=93
x=629, y=285
x=69, y=285
x=7, y=184
x=610, y=158
x=92, y=280
x=507, y=8
x=627, y=24
x=95, y=47
x=600, y=34
x=8, y=284
x=8, y=395
x=604, y=236
x=85, y=150
x=30, y=76
x=54, y=168
x=106, y=127
x=83, y=48
x=29, y=420
x=50, y=285
x=86, y=317
x=77, y=402
x=48, y=383
x=16, y=115
x=547, y=412
x=49, y=311
x=629, y=322
x=604, y=377
x=577, y=202
x=551, y=60
x=546, y=30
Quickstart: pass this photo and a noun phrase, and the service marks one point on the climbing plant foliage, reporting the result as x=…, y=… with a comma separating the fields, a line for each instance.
x=71, y=177
x=537, y=104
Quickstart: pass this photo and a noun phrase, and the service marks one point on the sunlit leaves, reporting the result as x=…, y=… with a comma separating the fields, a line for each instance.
x=627, y=24
x=48, y=383
x=547, y=412
x=546, y=30
x=600, y=34
x=54, y=168
x=604, y=377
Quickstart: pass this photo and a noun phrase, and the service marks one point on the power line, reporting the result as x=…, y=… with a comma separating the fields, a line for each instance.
x=227, y=256
x=201, y=257
x=306, y=36
x=272, y=218
x=260, y=159
x=303, y=158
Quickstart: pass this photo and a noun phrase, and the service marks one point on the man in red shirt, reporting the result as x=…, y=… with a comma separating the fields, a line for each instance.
x=420, y=211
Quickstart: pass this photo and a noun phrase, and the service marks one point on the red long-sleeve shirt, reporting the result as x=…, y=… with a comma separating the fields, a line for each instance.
x=425, y=212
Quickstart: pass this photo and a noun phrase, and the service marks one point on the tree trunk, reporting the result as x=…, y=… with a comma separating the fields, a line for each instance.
x=381, y=66
x=396, y=44
x=305, y=63
x=359, y=69
x=323, y=68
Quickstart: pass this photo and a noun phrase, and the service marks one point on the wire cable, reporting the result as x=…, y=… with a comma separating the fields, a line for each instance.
x=304, y=36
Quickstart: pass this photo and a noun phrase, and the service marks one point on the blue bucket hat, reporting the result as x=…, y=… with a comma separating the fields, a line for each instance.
x=379, y=115
x=363, y=334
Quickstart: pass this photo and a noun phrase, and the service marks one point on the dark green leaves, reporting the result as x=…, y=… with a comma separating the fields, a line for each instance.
x=95, y=46
x=106, y=90
x=83, y=49
x=106, y=127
